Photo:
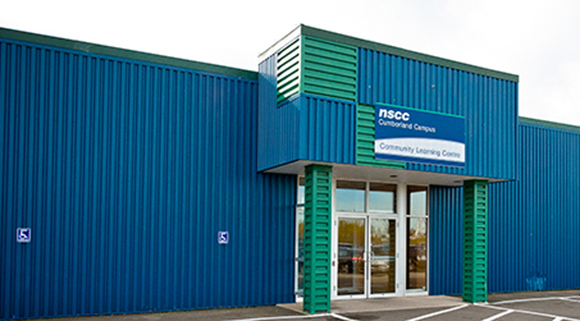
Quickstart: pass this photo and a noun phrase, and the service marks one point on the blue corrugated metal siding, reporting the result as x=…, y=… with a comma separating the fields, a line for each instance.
x=306, y=127
x=445, y=240
x=534, y=222
x=327, y=130
x=125, y=172
x=277, y=127
x=489, y=106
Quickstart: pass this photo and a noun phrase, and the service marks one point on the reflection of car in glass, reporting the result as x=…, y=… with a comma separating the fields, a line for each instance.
x=417, y=257
x=379, y=266
x=350, y=258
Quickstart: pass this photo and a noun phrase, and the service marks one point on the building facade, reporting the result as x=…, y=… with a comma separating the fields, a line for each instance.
x=342, y=169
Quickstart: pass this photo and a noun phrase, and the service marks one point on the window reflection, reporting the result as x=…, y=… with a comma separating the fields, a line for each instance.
x=300, y=259
x=300, y=237
x=417, y=253
x=301, y=191
x=382, y=198
x=417, y=238
x=417, y=200
x=350, y=196
x=351, y=248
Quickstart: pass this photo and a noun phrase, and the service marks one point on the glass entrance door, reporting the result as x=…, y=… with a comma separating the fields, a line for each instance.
x=366, y=255
x=351, y=256
x=382, y=254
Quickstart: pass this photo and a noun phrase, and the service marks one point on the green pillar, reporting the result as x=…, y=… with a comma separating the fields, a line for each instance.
x=317, y=231
x=475, y=198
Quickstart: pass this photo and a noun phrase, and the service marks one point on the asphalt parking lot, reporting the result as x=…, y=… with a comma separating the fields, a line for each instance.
x=530, y=306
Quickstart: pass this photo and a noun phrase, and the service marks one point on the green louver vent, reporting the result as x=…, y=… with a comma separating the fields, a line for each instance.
x=317, y=242
x=288, y=71
x=365, y=139
x=329, y=69
x=318, y=67
x=475, y=241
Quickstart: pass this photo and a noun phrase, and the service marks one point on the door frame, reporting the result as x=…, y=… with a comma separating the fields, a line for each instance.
x=368, y=276
x=400, y=219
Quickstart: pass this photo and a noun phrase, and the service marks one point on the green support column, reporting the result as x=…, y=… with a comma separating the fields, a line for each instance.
x=475, y=199
x=317, y=231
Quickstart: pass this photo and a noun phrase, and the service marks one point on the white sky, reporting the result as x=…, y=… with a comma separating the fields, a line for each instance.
x=537, y=40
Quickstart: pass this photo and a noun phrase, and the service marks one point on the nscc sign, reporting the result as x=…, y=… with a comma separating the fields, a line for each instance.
x=413, y=135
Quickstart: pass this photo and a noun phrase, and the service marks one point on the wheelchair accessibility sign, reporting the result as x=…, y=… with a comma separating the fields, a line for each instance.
x=23, y=235
x=223, y=237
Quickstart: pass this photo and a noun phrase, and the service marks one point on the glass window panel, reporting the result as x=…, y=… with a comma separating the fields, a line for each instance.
x=300, y=258
x=350, y=196
x=351, y=249
x=301, y=191
x=417, y=200
x=382, y=198
x=383, y=255
x=417, y=253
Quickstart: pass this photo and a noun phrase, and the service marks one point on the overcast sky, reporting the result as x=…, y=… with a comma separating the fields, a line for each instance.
x=537, y=40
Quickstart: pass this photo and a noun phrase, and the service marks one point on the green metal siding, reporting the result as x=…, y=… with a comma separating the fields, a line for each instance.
x=329, y=69
x=317, y=244
x=475, y=199
x=365, y=139
x=288, y=71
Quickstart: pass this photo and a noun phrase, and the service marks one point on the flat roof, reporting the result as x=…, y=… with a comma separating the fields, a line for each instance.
x=124, y=53
x=549, y=124
x=366, y=44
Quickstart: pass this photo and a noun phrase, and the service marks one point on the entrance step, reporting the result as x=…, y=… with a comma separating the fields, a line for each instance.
x=385, y=304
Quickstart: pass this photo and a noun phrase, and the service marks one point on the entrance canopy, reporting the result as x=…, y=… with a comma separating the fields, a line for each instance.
x=370, y=173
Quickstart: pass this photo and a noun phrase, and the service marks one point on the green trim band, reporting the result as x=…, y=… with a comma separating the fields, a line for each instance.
x=327, y=35
x=422, y=110
x=10, y=34
x=549, y=124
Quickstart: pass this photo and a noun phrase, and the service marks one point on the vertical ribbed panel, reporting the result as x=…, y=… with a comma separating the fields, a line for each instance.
x=445, y=240
x=278, y=139
x=534, y=222
x=288, y=71
x=365, y=139
x=475, y=212
x=329, y=69
x=489, y=106
x=304, y=127
x=317, y=242
x=125, y=172
x=327, y=130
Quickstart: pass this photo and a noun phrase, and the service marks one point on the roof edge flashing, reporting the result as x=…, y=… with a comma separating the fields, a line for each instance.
x=371, y=45
x=548, y=124
x=87, y=47
x=280, y=43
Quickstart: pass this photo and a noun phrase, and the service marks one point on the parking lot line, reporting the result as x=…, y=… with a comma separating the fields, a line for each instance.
x=499, y=315
x=308, y=316
x=294, y=317
x=570, y=300
x=340, y=317
x=526, y=300
x=439, y=312
x=547, y=315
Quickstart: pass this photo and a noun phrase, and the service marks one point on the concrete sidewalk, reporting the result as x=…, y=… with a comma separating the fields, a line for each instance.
x=385, y=304
x=395, y=308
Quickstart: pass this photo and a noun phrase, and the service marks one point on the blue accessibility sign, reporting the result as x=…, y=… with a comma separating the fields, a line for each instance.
x=23, y=235
x=223, y=237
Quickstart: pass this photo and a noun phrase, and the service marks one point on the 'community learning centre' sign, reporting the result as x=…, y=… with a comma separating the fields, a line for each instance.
x=412, y=135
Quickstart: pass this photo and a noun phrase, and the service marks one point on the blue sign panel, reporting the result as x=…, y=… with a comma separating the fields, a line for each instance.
x=223, y=237
x=412, y=135
x=22, y=235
